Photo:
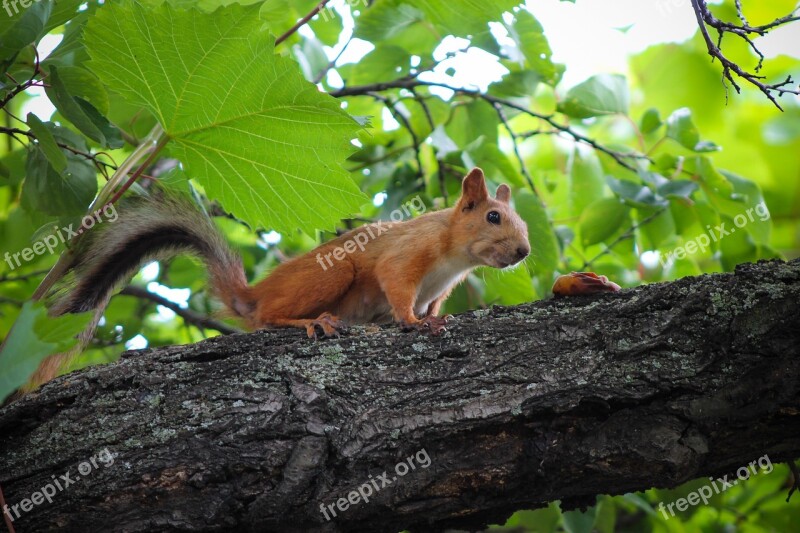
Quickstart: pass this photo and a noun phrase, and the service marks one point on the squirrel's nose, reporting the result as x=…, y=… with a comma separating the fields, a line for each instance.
x=523, y=251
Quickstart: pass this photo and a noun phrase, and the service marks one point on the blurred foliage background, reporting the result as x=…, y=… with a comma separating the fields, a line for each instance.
x=623, y=173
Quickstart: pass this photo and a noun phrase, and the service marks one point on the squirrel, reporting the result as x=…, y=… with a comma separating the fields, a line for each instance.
x=403, y=273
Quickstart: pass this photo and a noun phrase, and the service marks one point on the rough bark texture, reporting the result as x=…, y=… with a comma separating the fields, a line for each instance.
x=515, y=407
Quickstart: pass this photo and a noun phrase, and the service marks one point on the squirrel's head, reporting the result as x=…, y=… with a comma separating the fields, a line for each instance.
x=493, y=232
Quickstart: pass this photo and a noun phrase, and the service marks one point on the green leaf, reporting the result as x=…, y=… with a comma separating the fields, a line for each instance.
x=606, y=514
x=579, y=521
x=79, y=82
x=585, y=179
x=657, y=230
x=242, y=120
x=465, y=17
x=703, y=168
x=71, y=51
x=544, y=245
x=47, y=143
x=651, y=121
x=604, y=94
x=681, y=128
x=516, y=84
x=386, y=19
x=63, y=11
x=737, y=246
x=34, y=336
x=750, y=212
x=602, y=219
x=81, y=113
x=677, y=189
x=22, y=28
x=635, y=194
x=543, y=520
x=65, y=194
x=529, y=37
x=385, y=62
x=472, y=121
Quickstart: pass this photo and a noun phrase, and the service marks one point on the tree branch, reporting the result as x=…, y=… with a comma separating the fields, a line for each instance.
x=189, y=316
x=410, y=82
x=705, y=18
x=514, y=407
x=302, y=22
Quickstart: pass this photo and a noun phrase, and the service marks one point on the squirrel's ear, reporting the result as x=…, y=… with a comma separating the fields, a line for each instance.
x=473, y=189
x=503, y=194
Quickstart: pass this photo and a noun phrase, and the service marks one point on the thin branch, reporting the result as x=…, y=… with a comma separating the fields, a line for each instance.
x=439, y=172
x=409, y=82
x=302, y=22
x=21, y=87
x=515, y=141
x=406, y=124
x=627, y=235
x=387, y=155
x=189, y=316
x=319, y=77
x=706, y=19
x=6, y=278
x=89, y=156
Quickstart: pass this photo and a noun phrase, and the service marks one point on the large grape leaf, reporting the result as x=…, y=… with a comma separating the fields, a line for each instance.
x=243, y=121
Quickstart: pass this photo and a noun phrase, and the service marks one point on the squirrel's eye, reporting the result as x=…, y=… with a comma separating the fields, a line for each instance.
x=493, y=217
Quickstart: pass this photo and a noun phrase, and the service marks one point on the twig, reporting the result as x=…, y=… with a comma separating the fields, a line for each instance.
x=92, y=157
x=706, y=19
x=319, y=77
x=5, y=278
x=432, y=124
x=515, y=141
x=387, y=155
x=189, y=316
x=627, y=235
x=20, y=87
x=300, y=23
x=406, y=124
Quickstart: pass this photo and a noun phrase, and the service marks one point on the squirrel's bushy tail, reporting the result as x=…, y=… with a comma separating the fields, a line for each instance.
x=148, y=228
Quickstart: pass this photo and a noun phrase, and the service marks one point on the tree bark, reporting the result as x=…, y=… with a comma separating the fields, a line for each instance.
x=509, y=409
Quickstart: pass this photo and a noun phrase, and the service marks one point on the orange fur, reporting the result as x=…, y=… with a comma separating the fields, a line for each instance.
x=402, y=274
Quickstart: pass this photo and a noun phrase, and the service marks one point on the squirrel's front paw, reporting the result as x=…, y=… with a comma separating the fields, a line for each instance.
x=433, y=325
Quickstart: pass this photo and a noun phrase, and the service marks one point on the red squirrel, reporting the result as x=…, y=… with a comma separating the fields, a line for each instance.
x=403, y=273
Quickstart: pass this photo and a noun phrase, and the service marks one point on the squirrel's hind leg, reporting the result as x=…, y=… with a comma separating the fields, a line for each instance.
x=328, y=324
x=300, y=294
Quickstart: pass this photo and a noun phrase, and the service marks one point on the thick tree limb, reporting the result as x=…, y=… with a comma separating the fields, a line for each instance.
x=560, y=399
